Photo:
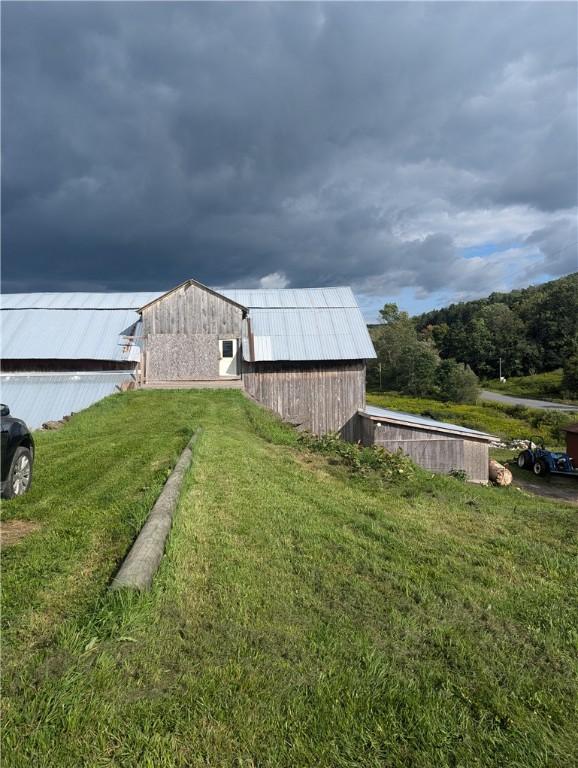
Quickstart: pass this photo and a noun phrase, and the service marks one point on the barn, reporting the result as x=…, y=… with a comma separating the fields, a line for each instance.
x=300, y=352
x=434, y=445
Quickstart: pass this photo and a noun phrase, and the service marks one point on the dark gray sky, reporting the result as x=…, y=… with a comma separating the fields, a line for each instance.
x=420, y=153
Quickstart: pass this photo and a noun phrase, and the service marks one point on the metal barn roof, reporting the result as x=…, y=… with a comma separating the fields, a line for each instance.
x=292, y=298
x=67, y=334
x=77, y=300
x=38, y=398
x=287, y=324
x=309, y=334
x=410, y=419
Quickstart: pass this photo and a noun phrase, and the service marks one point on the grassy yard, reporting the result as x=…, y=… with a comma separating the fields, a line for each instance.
x=505, y=421
x=301, y=616
x=540, y=386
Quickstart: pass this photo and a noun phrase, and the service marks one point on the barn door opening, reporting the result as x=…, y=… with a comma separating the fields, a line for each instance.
x=228, y=357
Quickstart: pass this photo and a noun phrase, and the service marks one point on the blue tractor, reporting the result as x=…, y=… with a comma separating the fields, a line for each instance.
x=541, y=461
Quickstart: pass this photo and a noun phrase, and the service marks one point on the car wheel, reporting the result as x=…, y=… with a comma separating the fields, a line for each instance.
x=20, y=475
x=540, y=467
x=525, y=460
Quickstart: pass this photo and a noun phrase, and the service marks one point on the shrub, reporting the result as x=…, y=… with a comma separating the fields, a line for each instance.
x=549, y=421
x=457, y=382
x=361, y=460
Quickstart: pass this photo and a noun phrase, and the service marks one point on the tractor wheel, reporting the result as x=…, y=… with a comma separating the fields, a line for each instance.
x=525, y=460
x=540, y=467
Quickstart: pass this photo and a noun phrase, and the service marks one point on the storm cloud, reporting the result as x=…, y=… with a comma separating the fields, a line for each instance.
x=394, y=147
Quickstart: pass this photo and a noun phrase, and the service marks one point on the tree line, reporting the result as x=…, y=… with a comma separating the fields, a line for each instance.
x=446, y=351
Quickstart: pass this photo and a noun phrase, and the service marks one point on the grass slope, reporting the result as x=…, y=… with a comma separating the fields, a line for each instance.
x=301, y=617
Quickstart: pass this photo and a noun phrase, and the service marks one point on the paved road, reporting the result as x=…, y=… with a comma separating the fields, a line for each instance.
x=545, y=405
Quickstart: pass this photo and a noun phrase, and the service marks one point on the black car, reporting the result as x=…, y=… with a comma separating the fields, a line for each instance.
x=17, y=455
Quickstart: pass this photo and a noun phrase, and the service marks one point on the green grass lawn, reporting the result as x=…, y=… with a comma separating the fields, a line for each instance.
x=540, y=386
x=505, y=421
x=301, y=616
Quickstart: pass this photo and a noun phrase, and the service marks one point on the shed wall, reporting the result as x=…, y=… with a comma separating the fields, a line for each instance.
x=476, y=460
x=436, y=452
x=321, y=397
x=572, y=447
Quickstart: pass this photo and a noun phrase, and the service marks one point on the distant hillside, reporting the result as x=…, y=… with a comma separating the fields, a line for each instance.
x=533, y=329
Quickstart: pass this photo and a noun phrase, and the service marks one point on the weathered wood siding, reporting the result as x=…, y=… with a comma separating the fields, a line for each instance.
x=178, y=356
x=193, y=310
x=434, y=451
x=182, y=331
x=476, y=460
x=322, y=397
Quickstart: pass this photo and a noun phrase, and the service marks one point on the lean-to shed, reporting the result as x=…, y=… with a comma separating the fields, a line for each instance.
x=571, y=431
x=434, y=445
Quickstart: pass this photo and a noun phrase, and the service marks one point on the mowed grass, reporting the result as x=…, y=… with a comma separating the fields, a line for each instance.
x=504, y=421
x=301, y=617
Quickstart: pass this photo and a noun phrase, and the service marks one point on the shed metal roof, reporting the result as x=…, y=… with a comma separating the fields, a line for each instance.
x=38, y=398
x=421, y=422
x=70, y=334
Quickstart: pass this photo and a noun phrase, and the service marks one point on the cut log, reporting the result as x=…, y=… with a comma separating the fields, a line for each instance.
x=499, y=474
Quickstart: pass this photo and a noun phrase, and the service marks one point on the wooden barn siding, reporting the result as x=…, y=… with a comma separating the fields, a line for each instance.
x=180, y=356
x=322, y=397
x=194, y=311
x=182, y=331
x=434, y=451
x=476, y=460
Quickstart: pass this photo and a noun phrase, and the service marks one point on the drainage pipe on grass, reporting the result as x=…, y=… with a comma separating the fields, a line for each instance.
x=144, y=557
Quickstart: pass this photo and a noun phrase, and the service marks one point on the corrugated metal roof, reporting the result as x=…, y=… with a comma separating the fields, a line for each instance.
x=291, y=298
x=397, y=417
x=67, y=334
x=309, y=334
x=288, y=324
x=77, y=300
x=37, y=398
x=258, y=297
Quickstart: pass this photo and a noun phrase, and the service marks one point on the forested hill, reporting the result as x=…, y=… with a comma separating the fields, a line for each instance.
x=533, y=329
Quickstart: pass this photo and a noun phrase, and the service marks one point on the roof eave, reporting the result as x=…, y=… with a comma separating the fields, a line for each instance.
x=482, y=436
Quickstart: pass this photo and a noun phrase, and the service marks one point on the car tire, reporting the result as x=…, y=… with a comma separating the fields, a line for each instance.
x=525, y=460
x=19, y=478
x=540, y=468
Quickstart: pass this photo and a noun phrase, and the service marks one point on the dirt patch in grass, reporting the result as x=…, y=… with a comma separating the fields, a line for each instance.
x=12, y=531
x=559, y=489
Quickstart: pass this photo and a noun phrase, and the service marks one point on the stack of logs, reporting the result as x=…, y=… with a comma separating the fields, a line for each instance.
x=499, y=474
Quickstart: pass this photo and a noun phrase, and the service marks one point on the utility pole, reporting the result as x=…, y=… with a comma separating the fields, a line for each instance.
x=380, y=387
x=500, y=369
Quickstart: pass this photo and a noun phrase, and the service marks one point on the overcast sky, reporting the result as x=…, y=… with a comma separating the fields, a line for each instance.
x=420, y=153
